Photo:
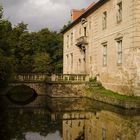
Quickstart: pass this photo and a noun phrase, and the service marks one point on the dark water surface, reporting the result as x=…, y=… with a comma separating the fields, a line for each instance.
x=67, y=119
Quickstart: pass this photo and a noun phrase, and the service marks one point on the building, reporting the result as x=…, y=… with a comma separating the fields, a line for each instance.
x=103, y=41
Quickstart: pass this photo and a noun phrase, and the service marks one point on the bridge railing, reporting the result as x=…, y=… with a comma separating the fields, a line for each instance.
x=55, y=78
x=69, y=77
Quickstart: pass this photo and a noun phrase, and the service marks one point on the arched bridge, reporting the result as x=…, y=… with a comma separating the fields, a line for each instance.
x=55, y=85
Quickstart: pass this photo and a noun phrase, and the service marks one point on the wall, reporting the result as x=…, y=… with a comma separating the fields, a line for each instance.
x=123, y=78
x=65, y=89
x=136, y=49
x=56, y=89
x=39, y=87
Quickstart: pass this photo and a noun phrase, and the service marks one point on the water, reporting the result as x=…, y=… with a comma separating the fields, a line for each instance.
x=67, y=119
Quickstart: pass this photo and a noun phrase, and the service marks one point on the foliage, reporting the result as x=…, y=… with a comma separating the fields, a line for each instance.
x=22, y=51
x=65, y=26
x=1, y=11
x=6, y=69
x=41, y=63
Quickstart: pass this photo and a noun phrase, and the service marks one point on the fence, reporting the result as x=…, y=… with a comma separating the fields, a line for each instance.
x=45, y=77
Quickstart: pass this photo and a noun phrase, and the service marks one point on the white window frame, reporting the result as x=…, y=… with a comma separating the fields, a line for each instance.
x=104, y=54
x=119, y=52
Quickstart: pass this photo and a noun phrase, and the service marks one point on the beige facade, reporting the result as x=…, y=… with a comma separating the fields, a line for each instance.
x=104, y=42
x=103, y=125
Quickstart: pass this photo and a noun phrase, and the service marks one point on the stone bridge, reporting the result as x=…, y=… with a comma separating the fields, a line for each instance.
x=38, y=87
x=53, y=86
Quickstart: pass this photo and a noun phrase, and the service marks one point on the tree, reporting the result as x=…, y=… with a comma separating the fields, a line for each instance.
x=24, y=53
x=41, y=63
x=51, y=42
x=6, y=59
x=1, y=12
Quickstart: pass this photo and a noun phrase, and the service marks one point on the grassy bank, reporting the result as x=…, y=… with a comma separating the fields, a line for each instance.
x=104, y=92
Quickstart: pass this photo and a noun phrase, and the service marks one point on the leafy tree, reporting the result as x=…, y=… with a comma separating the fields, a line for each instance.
x=22, y=51
x=51, y=42
x=1, y=12
x=41, y=63
x=6, y=70
x=5, y=33
x=6, y=59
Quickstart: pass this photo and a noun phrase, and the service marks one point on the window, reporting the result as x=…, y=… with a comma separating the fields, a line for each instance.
x=89, y=24
x=67, y=62
x=80, y=31
x=103, y=134
x=119, y=12
x=67, y=56
x=105, y=54
x=119, y=52
x=79, y=65
x=71, y=38
x=90, y=60
x=104, y=20
x=85, y=31
x=118, y=138
x=67, y=41
x=71, y=60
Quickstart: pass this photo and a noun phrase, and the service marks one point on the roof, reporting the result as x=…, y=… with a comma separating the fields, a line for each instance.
x=93, y=7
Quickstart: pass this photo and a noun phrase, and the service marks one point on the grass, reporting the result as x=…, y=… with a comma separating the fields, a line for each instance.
x=105, y=92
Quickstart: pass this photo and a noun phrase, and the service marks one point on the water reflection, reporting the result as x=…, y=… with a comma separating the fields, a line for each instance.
x=67, y=119
x=103, y=125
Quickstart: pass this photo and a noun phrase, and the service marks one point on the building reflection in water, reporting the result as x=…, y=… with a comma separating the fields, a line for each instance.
x=68, y=119
x=102, y=125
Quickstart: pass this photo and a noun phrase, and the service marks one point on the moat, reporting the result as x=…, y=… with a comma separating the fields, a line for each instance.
x=46, y=118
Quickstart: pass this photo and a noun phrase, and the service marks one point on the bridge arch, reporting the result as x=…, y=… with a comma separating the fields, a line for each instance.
x=21, y=94
x=38, y=87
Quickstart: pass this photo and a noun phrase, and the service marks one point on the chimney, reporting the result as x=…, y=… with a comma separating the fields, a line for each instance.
x=75, y=13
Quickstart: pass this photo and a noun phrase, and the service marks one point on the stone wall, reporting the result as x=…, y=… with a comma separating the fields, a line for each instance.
x=114, y=101
x=39, y=87
x=64, y=89
x=76, y=90
x=123, y=78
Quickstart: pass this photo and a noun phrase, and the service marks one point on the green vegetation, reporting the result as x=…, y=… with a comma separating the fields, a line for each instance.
x=104, y=92
x=22, y=51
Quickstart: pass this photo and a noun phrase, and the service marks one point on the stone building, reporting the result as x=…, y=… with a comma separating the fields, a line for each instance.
x=103, y=41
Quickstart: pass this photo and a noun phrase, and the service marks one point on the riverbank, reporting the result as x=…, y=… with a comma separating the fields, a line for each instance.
x=93, y=91
x=107, y=96
x=76, y=89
